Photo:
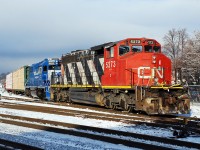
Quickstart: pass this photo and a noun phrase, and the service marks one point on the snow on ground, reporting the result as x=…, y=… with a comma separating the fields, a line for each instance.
x=90, y=122
x=195, y=107
x=96, y=123
x=49, y=140
x=52, y=141
x=195, y=110
x=54, y=106
x=3, y=92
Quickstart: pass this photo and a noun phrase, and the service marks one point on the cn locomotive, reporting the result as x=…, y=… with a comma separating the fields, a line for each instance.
x=130, y=74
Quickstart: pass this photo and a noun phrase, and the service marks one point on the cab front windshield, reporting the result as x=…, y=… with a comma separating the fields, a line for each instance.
x=148, y=48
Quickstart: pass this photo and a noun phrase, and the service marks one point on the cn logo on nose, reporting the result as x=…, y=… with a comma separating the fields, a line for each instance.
x=147, y=72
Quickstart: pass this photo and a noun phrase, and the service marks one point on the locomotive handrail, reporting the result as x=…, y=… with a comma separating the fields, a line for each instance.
x=162, y=86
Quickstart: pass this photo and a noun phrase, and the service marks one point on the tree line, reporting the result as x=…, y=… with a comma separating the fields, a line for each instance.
x=184, y=52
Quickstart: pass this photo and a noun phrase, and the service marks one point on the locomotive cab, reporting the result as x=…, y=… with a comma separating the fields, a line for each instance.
x=140, y=60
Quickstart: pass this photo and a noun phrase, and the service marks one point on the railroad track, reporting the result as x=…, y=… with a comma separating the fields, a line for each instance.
x=106, y=135
x=98, y=108
x=10, y=145
x=118, y=116
x=185, y=124
x=176, y=124
x=103, y=109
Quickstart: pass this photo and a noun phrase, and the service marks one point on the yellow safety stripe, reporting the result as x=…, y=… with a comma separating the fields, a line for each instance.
x=90, y=86
x=166, y=88
x=69, y=85
x=116, y=87
x=113, y=87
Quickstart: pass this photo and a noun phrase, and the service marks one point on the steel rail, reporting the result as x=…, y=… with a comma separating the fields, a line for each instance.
x=5, y=145
x=108, y=139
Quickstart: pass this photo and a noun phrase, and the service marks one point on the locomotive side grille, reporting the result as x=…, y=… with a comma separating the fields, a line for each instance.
x=77, y=74
x=84, y=67
x=98, y=66
x=67, y=78
x=81, y=73
x=72, y=75
x=87, y=72
x=93, y=71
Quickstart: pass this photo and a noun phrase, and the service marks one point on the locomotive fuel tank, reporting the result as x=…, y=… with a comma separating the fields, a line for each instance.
x=85, y=95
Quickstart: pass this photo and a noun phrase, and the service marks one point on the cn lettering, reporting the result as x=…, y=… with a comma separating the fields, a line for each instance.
x=153, y=72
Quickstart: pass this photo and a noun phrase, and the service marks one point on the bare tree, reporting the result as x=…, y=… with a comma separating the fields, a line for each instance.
x=192, y=59
x=192, y=52
x=175, y=42
x=197, y=41
x=182, y=40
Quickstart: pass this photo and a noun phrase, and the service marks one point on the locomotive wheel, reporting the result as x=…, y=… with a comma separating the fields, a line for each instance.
x=68, y=99
x=55, y=98
x=125, y=106
x=28, y=92
x=130, y=109
x=114, y=106
x=60, y=98
x=40, y=93
x=108, y=103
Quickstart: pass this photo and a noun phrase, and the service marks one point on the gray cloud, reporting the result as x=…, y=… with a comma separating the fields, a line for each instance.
x=34, y=29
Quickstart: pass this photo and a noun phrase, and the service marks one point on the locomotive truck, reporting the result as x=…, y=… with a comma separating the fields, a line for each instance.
x=130, y=74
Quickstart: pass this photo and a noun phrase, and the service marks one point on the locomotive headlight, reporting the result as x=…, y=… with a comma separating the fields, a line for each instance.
x=153, y=59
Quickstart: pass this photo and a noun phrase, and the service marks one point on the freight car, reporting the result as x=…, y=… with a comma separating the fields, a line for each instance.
x=16, y=80
x=40, y=73
x=128, y=74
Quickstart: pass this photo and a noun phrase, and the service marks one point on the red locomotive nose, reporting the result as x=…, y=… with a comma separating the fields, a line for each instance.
x=148, y=69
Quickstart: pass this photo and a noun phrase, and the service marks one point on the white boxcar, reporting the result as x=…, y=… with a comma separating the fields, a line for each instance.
x=9, y=81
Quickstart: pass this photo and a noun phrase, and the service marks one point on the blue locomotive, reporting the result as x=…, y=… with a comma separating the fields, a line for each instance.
x=39, y=81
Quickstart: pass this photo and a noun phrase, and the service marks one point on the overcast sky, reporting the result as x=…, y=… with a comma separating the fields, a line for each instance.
x=31, y=30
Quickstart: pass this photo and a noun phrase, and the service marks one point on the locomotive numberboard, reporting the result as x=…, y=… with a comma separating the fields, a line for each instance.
x=135, y=41
x=150, y=42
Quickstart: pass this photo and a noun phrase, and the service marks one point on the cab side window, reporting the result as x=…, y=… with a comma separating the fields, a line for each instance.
x=40, y=70
x=123, y=49
x=110, y=52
